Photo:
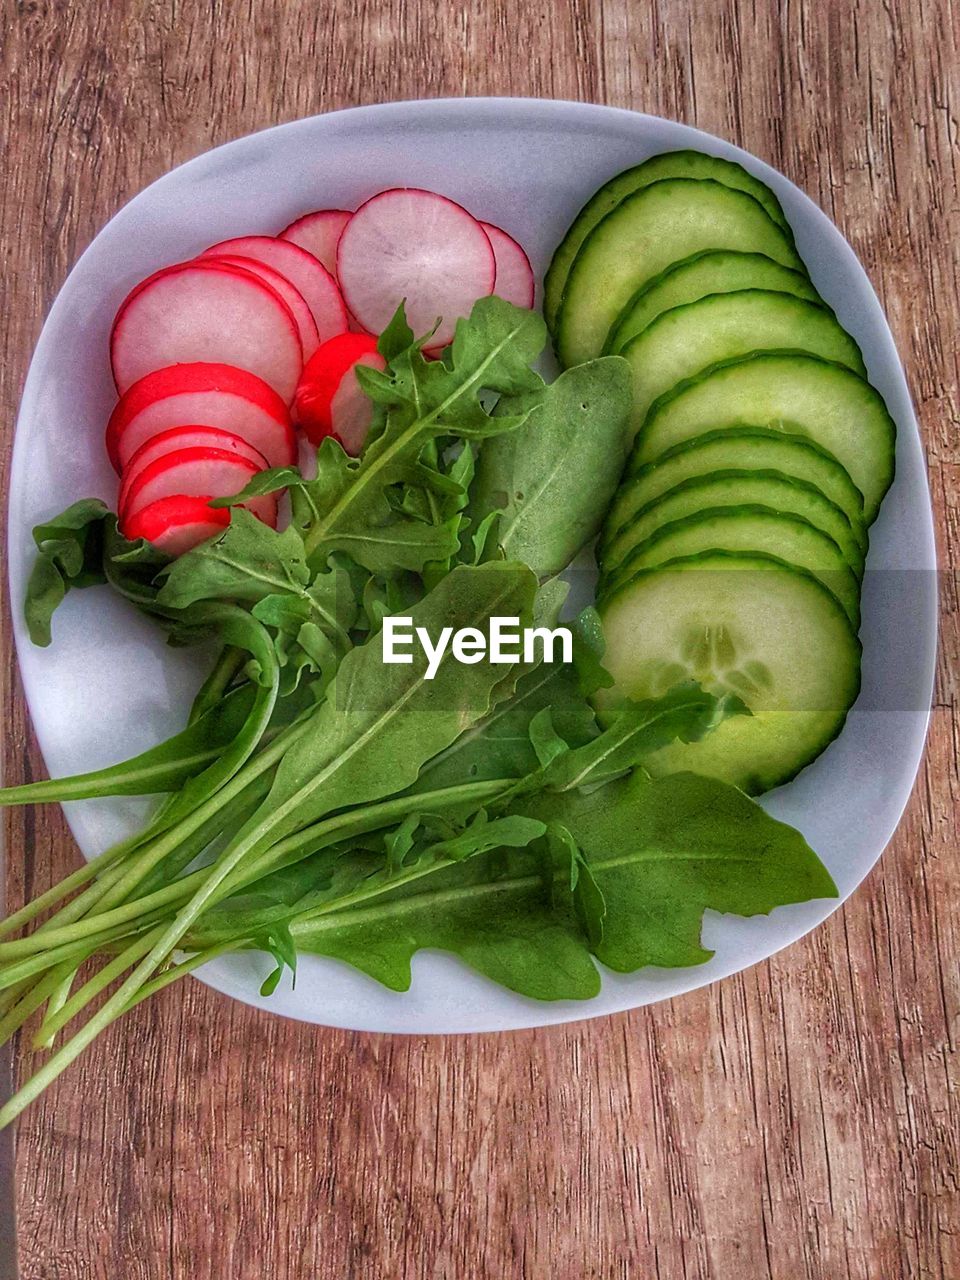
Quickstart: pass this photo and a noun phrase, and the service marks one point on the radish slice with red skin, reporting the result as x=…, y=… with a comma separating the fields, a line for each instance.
x=302, y=269
x=318, y=233
x=190, y=437
x=197, y=472
x=414, y=246
x=177, y=524
x=514, y=282
x=329, y=399
x=306, y=325
x=206, y=311
x=209, y=395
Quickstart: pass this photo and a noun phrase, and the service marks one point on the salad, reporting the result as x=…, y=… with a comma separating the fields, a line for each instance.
x=324, y=434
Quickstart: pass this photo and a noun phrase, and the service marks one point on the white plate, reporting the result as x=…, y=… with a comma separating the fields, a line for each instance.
x=108, y=687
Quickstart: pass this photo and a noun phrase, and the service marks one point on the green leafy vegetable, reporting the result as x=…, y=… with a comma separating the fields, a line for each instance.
x=552, y=479
x=69, y=554
x=655, y=854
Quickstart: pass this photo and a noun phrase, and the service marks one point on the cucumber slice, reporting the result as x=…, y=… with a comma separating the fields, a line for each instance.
x=745, y=529
x=643, y=235
x=682, y=342
x=793, y=393
x=744, y=449
x=716, y=271
x=729, y=489
x=751, y=625
x=672, y=164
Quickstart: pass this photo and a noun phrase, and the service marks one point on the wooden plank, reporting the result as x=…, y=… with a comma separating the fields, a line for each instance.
x=800, y=1119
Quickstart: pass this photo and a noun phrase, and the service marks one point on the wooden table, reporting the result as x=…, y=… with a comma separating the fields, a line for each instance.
x=800, y=1120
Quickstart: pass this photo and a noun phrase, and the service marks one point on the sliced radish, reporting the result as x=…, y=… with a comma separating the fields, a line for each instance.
x=302, y=269
x=197, y=472
x=318, y=233
x=514, y=282
x=307, y=326
x=177, y=524
x=210, y=395
x=179, y=438
x=416, y=247
x=329, y=399
x=206, y=311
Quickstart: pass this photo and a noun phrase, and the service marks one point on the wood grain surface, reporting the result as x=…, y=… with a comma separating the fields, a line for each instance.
x=798, y=1121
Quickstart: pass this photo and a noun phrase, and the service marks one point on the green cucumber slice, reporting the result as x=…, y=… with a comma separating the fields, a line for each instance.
x=681, y=343
x=672, y=164
x=793, y=393
x=729, y=488
x=716, y=271
x=742, y=449
x=751, y=625
x=745, y=529
x=644, y=234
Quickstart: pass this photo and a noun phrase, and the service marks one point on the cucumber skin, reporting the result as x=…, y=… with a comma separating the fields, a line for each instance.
x=758, y=782
x=612, y=193
x=611, y=534
x=610, y=584
x=853, y=506
x=806, y=292
x=791, y=257
x=870, y=507
x=632, y=348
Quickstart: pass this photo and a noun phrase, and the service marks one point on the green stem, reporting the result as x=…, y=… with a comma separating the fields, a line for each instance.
x=229, y=662
x=102, y=979
x=32, y=998
x=213, y=808
x=31, y=965
x=58, y=998
x=177, y=971
x=59, y=891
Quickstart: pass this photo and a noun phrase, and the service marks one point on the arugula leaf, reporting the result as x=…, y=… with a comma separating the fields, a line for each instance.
x=686, y=712
x=494, y=911
x=247, y=562
x=69, y=554
x=420, y=400
x=656, y=853
x=379, y=724
x=500, y=745
x=665, y=850
x=576, y=875
x=552, y=479
x=163, y=768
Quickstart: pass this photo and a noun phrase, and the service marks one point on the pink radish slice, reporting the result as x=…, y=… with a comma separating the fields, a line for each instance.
x=309, y=337
x=196, y=473
x=329, y=399
x=514, y=282
x=210, y=395
x=303, y=271
x=418, y=246
x=318, y=233
x=206, y=311
x=177, y=524
x=179, y=438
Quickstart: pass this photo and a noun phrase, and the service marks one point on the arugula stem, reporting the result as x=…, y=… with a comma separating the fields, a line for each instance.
x=58, y=1018
x=178, y=971
x=59, y=997
x=34, y=995
x=355, y=822
x=73, y=881
x=212, y=809
x=229, y=662
x=78, y=950
x=248, y=840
